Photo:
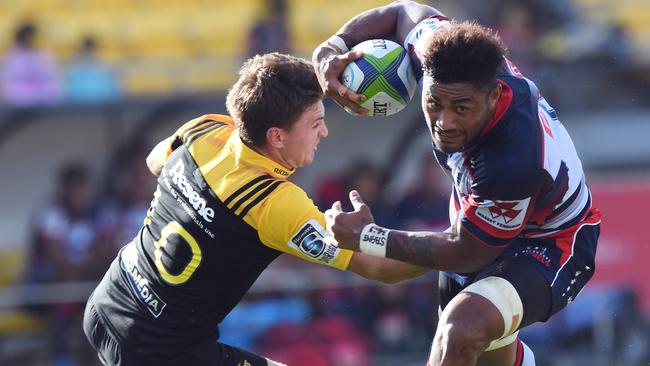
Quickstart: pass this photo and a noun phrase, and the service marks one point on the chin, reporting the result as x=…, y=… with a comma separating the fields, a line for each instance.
x=447, y=148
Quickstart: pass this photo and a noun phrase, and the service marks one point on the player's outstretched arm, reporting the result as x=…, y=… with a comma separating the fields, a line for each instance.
x=453, y=250
x=157, y=156
x=392, y=21
x=385, y=270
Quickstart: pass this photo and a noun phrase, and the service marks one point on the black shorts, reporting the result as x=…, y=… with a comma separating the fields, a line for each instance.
x=547, y=273
x=112, y=353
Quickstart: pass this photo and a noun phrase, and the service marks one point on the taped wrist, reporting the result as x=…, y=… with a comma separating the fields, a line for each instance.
x=337, y=44
x=373, y=240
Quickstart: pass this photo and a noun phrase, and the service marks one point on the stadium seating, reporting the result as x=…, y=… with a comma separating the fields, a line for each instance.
x=197, y=45
x=633, y=15
x=178, y=45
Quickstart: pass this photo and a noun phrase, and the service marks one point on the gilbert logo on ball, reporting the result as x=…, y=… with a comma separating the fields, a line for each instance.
x=384, y=75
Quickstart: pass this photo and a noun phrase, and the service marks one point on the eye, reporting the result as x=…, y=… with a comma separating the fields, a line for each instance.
x=432, y=104
x=461, y=109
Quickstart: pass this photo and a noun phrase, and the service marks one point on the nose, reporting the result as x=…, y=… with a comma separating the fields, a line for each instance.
x=445, y=121
x=324, y=131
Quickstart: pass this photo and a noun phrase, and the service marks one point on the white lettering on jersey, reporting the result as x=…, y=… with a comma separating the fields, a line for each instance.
x=139, y=284
x=311, y=240
x=194, y=198
x=503, y=215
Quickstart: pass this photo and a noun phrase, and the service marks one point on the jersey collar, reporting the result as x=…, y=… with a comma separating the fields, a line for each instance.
x=502, y=106
x=248, y=156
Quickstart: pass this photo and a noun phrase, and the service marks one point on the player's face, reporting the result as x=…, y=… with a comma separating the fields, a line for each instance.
x=301, y=140
x=456, y=112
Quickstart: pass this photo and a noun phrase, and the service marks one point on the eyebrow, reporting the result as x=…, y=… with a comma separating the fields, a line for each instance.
x=454, y=101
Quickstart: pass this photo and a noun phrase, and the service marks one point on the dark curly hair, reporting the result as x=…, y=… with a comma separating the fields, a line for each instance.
x=464, y=53
x=273, y=90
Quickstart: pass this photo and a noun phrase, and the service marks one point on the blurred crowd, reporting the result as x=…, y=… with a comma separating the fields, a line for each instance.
x=548, y=40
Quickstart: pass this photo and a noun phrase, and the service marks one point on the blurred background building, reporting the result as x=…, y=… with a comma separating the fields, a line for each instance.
x=87, y=88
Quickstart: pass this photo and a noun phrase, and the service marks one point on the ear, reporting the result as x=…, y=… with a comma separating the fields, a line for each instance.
x=494, y=96
x=274, y=137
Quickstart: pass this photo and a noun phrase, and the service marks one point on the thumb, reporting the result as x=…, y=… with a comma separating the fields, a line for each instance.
x=356, y=200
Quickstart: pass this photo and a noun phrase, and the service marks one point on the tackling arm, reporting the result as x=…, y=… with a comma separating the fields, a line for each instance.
x=385, y=270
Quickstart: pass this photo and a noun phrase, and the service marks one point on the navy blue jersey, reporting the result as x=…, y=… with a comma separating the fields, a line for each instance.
x=521, y=177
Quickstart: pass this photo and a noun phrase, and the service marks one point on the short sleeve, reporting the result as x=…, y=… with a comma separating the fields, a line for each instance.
x=291, y=223
x=497, y=209
x=192, y=130
x=413, y=41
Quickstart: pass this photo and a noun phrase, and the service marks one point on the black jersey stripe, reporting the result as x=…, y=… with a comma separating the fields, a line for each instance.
x=205, y=131
x=189, y=134
x=246, y=186
x=197, y=126
x=259, y=198
x=250, y=194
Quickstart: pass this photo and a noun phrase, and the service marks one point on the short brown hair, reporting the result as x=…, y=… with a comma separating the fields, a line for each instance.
x=273, y=90
x=464, y=53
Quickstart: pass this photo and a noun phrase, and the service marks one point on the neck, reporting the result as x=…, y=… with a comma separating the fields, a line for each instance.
x=272, y=154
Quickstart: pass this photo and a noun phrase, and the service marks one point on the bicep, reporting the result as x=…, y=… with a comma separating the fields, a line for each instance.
x=409, y=15
x=158, y=155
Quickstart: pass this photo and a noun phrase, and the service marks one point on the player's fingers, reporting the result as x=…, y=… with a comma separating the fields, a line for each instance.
x=329, y=213
x=351, y=106
x=345, y=92
x=356, y=200
x=336, y=207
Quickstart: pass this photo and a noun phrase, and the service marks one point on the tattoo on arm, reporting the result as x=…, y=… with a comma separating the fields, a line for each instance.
x=440, y=251
x=411, y=247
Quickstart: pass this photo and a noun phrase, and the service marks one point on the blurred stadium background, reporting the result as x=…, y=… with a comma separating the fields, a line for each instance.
x=89, y=86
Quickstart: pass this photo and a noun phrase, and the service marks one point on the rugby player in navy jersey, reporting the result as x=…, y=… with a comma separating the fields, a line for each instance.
x=223, y=211
x=523, y=232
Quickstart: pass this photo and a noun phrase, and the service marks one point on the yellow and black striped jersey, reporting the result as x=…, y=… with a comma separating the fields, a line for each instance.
x=220, y=214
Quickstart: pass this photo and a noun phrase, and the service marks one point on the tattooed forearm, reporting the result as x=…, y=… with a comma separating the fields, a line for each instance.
x=441, y=251
x=412, y=247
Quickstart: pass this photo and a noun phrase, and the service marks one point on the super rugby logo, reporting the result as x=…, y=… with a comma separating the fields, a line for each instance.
x=504, y=215
x=310, y=240
x=194, y=198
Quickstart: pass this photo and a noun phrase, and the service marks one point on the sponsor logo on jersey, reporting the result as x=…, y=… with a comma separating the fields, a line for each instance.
x=504, y=215
x=310, y=240
x=140, y=285
x=281, y=172
x=200, y=205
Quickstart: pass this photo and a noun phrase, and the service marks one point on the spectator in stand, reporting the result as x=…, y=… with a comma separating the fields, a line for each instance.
x=269, y=33
x=29, y=76
x=364, y=176
x=131, y=190
x=516, y=29
x=88, y=79
x=66, y=248
x=425, y=205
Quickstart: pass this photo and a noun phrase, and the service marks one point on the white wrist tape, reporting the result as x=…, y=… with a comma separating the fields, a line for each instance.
x=373, y=240
x=337, y=43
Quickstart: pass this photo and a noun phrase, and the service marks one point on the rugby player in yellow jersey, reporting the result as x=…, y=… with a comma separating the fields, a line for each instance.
x=223, y=211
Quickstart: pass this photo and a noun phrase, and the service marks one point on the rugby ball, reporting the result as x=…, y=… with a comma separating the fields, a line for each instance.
x=384, y=75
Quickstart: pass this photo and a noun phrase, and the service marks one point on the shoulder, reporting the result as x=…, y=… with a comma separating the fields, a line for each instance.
x=502, y=176
x=288, y=199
